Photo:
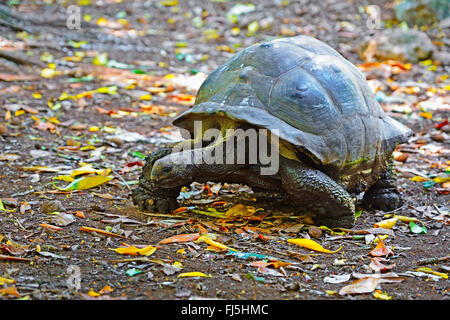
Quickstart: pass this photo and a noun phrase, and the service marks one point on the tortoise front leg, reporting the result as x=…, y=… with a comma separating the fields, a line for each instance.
x=314, y=191
x=383, y=195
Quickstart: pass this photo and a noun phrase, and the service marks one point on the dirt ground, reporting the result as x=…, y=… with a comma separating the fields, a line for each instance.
x=62, y=120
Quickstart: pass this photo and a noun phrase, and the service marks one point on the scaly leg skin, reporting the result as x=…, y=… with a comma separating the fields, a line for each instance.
x=148, y=196
x=313, y=190
x=383, y=195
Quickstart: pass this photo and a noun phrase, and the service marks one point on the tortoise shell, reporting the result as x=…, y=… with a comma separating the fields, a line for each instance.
x=318, y=101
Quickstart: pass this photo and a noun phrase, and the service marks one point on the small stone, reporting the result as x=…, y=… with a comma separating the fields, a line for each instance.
x=3, y=130
x=52, y=206
x=438, y=137
x=397, y=44
x=315, y=232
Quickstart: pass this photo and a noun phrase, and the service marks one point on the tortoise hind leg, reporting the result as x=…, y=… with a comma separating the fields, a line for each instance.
x=314, y=191
x=383, y=195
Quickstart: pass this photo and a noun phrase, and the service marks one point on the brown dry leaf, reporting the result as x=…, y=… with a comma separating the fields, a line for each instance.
x=24, y=206
x=364, y=285
x=17, y=77
x=102, y=232
x=12, y=258
x=381, y=250
x=188, y=237
x=50, y=227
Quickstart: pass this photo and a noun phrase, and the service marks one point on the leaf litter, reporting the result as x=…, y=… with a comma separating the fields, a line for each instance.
x=102, y=110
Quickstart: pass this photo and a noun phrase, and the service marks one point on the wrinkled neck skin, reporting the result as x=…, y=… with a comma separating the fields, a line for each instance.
x=224, y=160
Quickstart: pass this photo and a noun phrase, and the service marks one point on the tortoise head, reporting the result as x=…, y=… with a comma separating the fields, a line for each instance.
x=173, y=169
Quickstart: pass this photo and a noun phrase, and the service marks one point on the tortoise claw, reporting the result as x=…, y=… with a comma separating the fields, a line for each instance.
x=385, y=199
x=153, y=200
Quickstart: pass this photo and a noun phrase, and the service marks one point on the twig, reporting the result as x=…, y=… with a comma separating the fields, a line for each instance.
x=120, y=177
x=437, y=209
x=21, y=59
x=433, y=260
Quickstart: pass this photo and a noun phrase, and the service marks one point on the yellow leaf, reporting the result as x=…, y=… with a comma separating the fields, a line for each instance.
x=65, y=96
x=381, y=295
x=64, y=178
x=145, y=97
x=85, y=183
x=2, y=208
x=409, y=219
x=107, y=90
x=312, y=245
x=87, y=169
x=215, y=243
x=427, y=115
x=380, y=237
x=49, y=73
x=169, y=3
x=386, y=224
x=239, y=211
x=441, y=179
x=132, y=250
x=93, y=294
x=428, y=270
x=6, y=280
x=193, y=274
x=419, y=179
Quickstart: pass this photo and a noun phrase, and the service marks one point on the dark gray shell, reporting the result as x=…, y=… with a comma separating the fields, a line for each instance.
x=318, y=100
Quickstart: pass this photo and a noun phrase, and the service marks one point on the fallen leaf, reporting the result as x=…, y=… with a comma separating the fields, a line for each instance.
x=429, y=270
x=378, y=294
x=106, y=289
x=193, y=274
x=387, y=224
x=381, y=250
x=376, y=265
x=335, y=278
x=312, y=245
x=132, y=250
x=102, y=232
x=416, y=228
x=364, y=285
x=10, y=291
x=84, y=183
x=50, y=227
x=181, y=238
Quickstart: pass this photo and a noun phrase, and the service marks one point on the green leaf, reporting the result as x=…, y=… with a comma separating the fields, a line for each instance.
x=2, y=207
x=132, y=272
x=416, y=228
x=137, y=154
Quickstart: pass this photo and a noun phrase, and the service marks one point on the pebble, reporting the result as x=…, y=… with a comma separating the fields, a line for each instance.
x=315, y=232
x=51, y=206
x=3, y=129
x=438, y=137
